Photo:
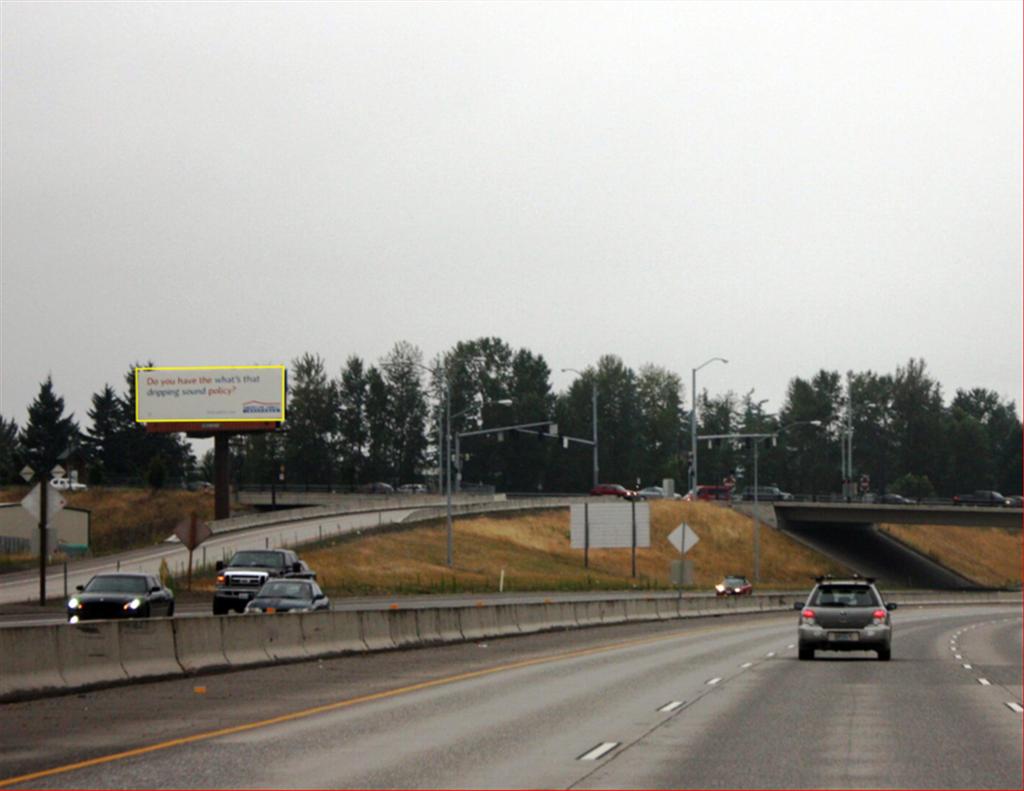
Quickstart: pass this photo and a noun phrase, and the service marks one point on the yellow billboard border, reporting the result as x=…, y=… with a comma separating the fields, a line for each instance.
x=283, y=369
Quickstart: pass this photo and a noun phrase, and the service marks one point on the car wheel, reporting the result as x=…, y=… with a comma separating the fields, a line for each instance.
x=805, y=653
x=885, y=654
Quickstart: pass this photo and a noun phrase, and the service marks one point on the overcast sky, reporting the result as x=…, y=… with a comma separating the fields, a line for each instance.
x=790, y=186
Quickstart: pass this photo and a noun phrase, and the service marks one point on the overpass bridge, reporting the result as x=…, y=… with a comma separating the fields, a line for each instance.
x=849, y=533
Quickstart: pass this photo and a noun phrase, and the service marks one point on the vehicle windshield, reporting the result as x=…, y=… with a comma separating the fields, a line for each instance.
x=735, y=582
x=844, y=596
x=111, y=584
x=270, y=560
x=286, y=589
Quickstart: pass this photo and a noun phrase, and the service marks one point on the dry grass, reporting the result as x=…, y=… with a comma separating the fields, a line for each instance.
x=124, y=518
x=990, y=556
x=533, y=549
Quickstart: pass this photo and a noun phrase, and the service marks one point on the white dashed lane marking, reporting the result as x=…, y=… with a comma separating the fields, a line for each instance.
x=968, y=667
x=601, y=750
x=1015, y=707
x=770, y=654
x=675, y=704
x=714, y=681
x=984, y=682
x=747, y=664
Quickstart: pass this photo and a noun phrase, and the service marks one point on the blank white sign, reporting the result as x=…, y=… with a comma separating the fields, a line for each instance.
x=610, y=525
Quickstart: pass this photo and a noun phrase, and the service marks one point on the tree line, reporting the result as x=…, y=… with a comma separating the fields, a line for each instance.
x=380, y=423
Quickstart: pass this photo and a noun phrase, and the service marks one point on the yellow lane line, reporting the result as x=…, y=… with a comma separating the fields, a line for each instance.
x=342, y=704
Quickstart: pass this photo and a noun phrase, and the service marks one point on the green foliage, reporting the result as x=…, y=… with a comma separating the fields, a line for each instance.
x=156, y=474
x=914, y=486
x=48, y=432
x=9, y=455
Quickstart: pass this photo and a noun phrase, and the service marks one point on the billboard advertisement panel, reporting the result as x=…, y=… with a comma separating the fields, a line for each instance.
x=234, y=393
x=609, y=525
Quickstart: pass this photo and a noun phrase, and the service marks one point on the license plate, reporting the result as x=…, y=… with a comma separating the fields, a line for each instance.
x=843, y=637
x=246, y=595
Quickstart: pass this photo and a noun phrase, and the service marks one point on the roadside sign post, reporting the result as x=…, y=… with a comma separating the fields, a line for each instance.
x=191, y=532
x=683, y=539
x=43, y=507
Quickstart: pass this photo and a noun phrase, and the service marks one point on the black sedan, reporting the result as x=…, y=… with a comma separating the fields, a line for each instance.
x=120, y=596
x=289, y=595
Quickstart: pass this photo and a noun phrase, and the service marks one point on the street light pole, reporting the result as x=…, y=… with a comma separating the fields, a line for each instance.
x=693, y=422
x=448, y=467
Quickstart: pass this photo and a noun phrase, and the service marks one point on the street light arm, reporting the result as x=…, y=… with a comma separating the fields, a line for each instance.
x=708, y=362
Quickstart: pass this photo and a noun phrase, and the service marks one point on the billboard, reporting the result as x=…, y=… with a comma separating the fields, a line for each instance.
x=224, y=394
x=609, y=525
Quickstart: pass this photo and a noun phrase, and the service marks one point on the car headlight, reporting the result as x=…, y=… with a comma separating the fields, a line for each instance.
x=133, y=605
x=73, y=603
x=720, y=588
x=73, y=619
x=737, y=589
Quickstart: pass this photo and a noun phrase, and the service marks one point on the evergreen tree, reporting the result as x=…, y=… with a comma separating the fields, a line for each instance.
x=312, y=422
x=104, y=437
x=48, y=432
x=352, y=428
x=10, y=464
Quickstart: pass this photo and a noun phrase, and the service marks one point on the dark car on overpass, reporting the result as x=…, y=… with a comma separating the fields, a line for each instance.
x=982, y=497
x=844, y=615
x=120, y=596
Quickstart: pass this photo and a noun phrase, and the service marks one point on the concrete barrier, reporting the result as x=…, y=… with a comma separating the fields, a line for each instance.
x=147, y=648
x=282, y=633
x=29, y=661
x=199, y=643
x=348, y=631
x=478, y=623
x=668, y=608
x=641, y=610
x=588, y=613
x=505, y=620
x=428, y=625
x=89, y=654
x=375, y=630
x=532, y=618
x=36, y=660
x=245, y=639
x=613, y=611
x=449, y=625
x=403, y=627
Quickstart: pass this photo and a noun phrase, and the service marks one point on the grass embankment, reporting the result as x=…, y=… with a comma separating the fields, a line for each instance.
x=123, y=518
x=990, y=556
x=533, y=549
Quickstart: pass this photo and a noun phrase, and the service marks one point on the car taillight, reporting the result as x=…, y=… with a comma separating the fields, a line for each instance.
x=807, y=616
x=879, y=616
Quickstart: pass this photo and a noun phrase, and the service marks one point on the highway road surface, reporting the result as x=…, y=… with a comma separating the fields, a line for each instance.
x=702, y=703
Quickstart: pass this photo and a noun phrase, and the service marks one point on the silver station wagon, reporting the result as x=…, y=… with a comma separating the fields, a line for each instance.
x=845, y=615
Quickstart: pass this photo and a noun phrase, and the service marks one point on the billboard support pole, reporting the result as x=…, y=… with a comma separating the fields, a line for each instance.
x=44, y=484
x=633, y=511
x=586, y=536
x=221, y=479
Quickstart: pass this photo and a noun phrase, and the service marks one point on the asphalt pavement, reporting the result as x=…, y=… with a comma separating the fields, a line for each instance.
x=704, y=703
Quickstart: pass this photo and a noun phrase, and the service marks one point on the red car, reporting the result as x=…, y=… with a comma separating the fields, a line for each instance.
x=714, y=493
x=734, y=586
x=613, y=489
